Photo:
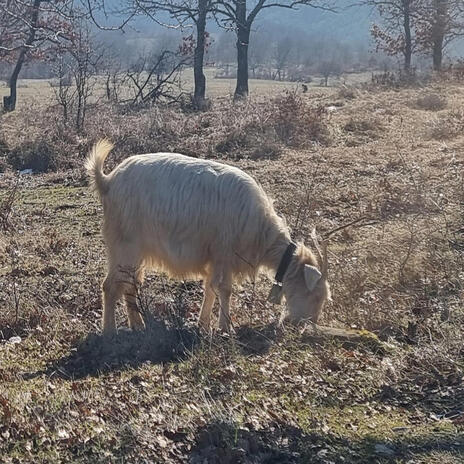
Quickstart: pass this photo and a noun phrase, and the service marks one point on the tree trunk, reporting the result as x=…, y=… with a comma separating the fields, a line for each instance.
x=438, y=33
x=199, y=57
x=437, y=53
x=9, y=102
x=108, y=88
x=243, y=39
x=407, y=36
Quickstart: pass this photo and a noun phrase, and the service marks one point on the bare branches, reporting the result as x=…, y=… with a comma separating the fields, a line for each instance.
x=32, y=29
x=75, y=70
x=186, y=14
x=228, y=8
x=91, y=11
x=30, y=25
x=154, y=77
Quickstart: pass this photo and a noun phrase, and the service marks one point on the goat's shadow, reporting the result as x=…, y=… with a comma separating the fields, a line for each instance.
x=160, y=343
x=96, y=354
x=257, y=340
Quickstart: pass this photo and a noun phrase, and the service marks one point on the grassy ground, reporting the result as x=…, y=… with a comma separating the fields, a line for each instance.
x=36, y=90
x=392, y=166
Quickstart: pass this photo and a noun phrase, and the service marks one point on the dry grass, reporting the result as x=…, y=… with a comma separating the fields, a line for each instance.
x=256, y=129
x=446, y=126
x=348, y=92
x=265, y=394
x=430, y=102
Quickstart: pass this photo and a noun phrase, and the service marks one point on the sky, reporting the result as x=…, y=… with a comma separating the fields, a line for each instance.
x=353, y=24
x=350, y=25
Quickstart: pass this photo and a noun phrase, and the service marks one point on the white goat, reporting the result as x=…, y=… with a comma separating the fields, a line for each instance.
x=196, y=218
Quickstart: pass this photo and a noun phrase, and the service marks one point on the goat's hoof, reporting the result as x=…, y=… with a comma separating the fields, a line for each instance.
x=204, y=326
x=108, y=334
x=226, y=330
x=138, y=327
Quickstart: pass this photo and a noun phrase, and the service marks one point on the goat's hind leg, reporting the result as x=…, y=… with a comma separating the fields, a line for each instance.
x=225, y=291
x=112, y=292
x=130, y=296
x=124, y=270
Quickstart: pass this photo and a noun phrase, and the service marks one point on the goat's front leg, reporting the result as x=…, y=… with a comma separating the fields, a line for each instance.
x=209, y=297
x=225, y=292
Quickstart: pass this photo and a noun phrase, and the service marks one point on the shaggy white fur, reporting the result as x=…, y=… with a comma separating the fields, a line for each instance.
x=194, y=218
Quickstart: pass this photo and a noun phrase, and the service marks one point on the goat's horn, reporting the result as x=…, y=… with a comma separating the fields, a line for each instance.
x=322, y=253
x=325, y=259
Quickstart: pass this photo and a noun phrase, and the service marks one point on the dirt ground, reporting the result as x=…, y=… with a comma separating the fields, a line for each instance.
x=392, y=167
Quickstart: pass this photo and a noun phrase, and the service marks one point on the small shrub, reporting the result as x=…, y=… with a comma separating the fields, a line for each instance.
x=296, y=123
x=348, y=93
x=361, y=130
x=3, y=147
x=269, y=151
x=247, y=143
x=231, y=142
x=38, y=156
x=446, y=127
x=6, y=207
x=431, y=102
x=401, y=79
x=254, y=129
x=3, y=153
x=362, y=126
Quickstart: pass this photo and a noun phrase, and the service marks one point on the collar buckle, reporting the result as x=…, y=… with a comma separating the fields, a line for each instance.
x=275, y=295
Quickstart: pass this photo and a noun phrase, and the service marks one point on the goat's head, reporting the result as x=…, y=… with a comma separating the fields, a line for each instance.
x=305, y=286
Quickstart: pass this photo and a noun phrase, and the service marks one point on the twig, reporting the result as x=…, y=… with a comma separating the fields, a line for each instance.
x=352, y=223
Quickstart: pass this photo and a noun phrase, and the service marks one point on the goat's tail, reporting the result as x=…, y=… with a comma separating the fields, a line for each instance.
x=94, y=166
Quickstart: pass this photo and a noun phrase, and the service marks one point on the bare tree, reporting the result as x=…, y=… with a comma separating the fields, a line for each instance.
x=240, y=15
x=186, y=13
x=439, y=23
x=282, y=51
x=30, y=29
x=259, y=53
x=86, y=58
x=64, y=93
x=329, y=68
x=396, y=34
x=75, y=70
x=114, y=77
x=155, y=76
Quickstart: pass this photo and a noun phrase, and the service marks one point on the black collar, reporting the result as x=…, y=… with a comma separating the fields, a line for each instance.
x=285, y=262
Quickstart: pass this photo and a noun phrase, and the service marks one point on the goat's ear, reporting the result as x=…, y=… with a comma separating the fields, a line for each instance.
x=312, y=276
